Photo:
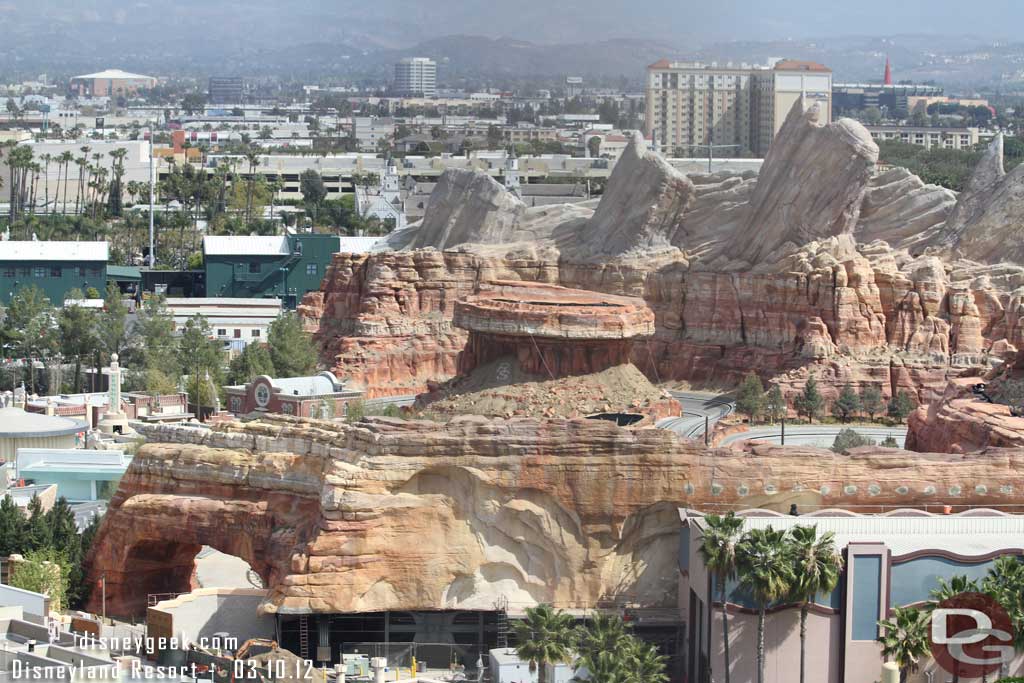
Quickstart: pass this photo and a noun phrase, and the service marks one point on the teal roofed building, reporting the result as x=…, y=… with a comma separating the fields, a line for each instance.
x=285, y=266
x=54, y=267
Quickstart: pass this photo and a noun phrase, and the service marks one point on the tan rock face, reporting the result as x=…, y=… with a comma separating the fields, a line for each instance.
x=417, y=515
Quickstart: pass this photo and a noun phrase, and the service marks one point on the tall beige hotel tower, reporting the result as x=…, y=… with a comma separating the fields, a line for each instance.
x=737, y=108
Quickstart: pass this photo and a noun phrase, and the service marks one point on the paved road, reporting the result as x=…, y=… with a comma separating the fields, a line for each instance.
x=697, y=406
x=400, y=401
x=815, y=435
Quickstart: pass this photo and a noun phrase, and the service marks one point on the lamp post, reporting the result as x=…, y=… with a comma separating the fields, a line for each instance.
x=152, y=198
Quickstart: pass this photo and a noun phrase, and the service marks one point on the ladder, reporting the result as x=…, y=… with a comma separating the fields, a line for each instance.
x=501, y=621
x=304, y=636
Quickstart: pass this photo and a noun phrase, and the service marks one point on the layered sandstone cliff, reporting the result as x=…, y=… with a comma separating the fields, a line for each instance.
x=387, y=514
x=817, y=266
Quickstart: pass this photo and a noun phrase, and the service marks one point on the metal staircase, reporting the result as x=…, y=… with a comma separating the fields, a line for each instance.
x=304, y=636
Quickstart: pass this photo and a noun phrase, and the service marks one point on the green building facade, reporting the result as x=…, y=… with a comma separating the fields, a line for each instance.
x=285, y=267
x=54, y=267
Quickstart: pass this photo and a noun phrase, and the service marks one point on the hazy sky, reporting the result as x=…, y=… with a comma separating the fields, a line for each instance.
x=551, y=20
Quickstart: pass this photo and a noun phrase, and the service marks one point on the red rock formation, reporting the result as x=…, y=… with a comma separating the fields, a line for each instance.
x=961, y=423
x=389, y=514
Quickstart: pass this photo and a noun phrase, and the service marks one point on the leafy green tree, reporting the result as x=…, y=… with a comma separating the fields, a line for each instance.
x=314, y=192
x=765, y=569
x=77, y=337
x=253, y=361
x=905, y=638
x=847, y=439
x=355, y=411
x=817, y=565
x=775, y=404
x=44, y=571
x=750, y=397
x=901, y=405
x=718, y=548
x=111, y=324
x=871, y=401
x=12, y=527
x=291, y=347
x=545, y=636
x=644, y=663
x=37, y=531
x=31, y=325
x=200, y=355
x=810, y=402
x=847, y=404
x=154, y=344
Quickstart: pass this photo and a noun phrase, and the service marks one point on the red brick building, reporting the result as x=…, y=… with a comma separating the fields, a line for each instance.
x=321, y=396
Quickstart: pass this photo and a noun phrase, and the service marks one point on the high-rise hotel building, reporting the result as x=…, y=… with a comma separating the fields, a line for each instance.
x=739, y=109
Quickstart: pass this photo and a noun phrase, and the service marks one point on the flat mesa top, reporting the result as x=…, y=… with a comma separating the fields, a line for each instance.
x=543, y=310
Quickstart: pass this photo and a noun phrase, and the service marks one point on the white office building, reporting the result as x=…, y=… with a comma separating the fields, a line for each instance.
x=416, y=76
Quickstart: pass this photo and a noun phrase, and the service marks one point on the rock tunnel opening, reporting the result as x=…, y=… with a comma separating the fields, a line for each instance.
x=157, y=570
x=621, y=419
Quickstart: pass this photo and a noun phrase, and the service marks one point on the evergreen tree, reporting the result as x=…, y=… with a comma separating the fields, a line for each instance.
x=77, y=337
x=810, y=402
x=847, y=404
x=889, y=442
x=901, y=405
x=62, y=527
x=200, y=355
x=750, y=397
x=775, y=404
x=252, y=362
x=12, y=527
x=31, y=327
x=154, y=344
x=37, y=530
x=871, y=401
x=111, y=328
x=291, y=347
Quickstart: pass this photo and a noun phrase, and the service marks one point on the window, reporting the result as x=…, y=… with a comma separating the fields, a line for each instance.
x=23, y=272
x=222, y=333
x=254, y=267
x=8, y=272
x=238, y=334
x=254, y=333
x=39, y=271
x=55, y=271
x=310, y=269
x=95, y=272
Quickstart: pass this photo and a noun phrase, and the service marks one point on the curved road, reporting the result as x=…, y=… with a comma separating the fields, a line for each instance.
x=815, y=435
x=697, y=406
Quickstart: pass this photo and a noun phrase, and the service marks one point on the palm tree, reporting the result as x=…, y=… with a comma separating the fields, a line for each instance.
x=1005, y=585
x=545, y=637
x=605, y=667
x=721, y=534
x=65, y=158
x=603, y=633
x=47, y=158
x=904, y=638
x=817, y=564
x=644, y=664
x=948, y=589
x=765, y=569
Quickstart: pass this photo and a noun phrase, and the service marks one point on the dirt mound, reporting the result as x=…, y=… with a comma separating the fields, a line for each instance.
x=502, y=388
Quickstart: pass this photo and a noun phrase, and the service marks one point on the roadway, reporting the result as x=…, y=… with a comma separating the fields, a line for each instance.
x=697, y=406
x=822, y=436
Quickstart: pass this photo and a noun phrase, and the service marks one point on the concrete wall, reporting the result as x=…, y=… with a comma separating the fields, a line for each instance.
x=28, y=601
x=204, y=612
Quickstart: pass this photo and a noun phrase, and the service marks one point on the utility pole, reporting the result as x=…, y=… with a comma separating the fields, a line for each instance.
x=152, y=183
x=104, y=586
x=783, y=432
x=711, y=151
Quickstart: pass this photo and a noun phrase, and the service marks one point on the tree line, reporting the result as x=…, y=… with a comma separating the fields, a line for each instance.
x=753, y=401
x=605, y=648
x=51, y=546
x=155, y=353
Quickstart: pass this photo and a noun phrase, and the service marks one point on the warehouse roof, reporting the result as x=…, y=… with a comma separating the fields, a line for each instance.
x=245, y=245
x=14, y=250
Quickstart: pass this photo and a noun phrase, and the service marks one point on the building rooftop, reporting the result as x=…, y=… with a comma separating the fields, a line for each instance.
x=972, y=533
x=112, y=74
x=33, y=250
x=358, y=245
x=800, y=65
x=15, y=423
x=245, y=245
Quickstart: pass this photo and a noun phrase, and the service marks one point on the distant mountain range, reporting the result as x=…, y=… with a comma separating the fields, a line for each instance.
x=317, y=39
